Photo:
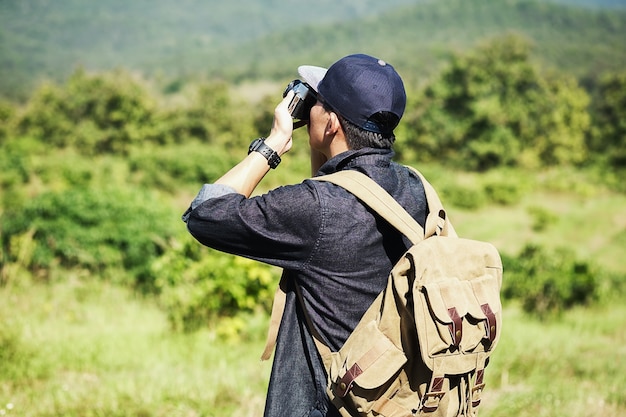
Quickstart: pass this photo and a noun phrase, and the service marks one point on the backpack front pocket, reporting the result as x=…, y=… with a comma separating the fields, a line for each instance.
x=455, y=317
x=368, y=360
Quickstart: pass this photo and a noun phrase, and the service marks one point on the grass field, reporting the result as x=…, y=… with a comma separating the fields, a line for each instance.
x=83, y=347
x=92, y=349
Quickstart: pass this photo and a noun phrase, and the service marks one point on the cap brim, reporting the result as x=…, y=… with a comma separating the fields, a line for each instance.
x=311, y=75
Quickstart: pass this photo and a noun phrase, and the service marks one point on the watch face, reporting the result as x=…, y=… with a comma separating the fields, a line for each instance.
x=254, y=145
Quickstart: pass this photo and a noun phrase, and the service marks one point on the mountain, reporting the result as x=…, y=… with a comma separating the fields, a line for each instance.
x=267, y=39
x=610, y=4
x=417, y=39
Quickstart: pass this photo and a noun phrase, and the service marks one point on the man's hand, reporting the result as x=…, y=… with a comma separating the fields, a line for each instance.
x=246, y=175
x=279, y=138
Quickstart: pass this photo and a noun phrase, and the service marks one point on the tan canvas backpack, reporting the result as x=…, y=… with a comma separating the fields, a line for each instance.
x=422, y=347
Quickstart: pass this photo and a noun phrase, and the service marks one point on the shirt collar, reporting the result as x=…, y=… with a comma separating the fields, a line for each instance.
x=359, y=157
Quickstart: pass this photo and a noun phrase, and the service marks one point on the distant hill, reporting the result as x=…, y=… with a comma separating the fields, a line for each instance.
x=417, y=39
x=239, y=40
x=594, y=3
x=41, y=38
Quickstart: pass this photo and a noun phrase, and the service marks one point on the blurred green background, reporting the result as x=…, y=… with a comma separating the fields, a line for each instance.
x=113, y=114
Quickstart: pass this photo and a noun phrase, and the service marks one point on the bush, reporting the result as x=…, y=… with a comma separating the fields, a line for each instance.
x=7, y=114
x=608, y=136
x=95, y=229
x=198, y=286
x=472, y=191
x=549, y=282
x=494, y=108
x=14, y=167
x=505, y=192
x=463, y=196
x=170, y=167
x=104, y=113
x=214, y=116
x=16, y=258
x=542, y=218
x=16, y=356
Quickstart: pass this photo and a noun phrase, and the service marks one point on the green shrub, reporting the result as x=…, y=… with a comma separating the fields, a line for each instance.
x=550, y=281
x=470, y=197
x=214, y=116
x=505, y=191
x=96, y=229
x=16, y=356
x=103, y=113
x=115, y=112
x=7, y=115
x=16, y=258
x=16, y=171
x=608, y=136
x=199, y=286
x=14, y=168
x=542, y=218
x=170, y=167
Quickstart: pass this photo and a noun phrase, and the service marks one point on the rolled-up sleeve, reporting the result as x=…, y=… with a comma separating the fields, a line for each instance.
x=280, y=227
x=207, y=192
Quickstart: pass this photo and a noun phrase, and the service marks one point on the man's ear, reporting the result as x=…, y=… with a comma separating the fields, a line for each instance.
x=335, y=135
x=333, y=125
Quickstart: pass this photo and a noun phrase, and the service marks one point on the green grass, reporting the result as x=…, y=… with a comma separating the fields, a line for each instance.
x=80, y=348
x=591, y=221
x=573, y=366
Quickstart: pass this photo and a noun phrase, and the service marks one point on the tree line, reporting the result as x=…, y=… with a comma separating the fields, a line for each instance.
x=92, y=170
x=488, y=108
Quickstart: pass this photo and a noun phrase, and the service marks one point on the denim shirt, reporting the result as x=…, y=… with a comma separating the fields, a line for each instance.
x=332, y=246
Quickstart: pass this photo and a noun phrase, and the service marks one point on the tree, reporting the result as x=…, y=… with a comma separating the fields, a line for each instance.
x=492, y=108
x=608, y=136
x=93, y=113
x=213, y=115
x=7, y=115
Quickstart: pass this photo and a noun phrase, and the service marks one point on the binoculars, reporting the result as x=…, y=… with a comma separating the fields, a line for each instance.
x=303, y=100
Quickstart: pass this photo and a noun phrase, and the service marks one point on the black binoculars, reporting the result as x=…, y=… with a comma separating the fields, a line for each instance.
x=303, y=100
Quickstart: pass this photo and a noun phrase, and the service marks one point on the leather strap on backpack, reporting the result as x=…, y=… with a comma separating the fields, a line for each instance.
x=278, y=307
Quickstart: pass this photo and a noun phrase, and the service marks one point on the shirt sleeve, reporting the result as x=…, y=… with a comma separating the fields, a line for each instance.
x=280, y=227
x=207, y=192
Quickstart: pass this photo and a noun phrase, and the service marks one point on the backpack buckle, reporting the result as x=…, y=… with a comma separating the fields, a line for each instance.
x=456, y=327
x=435, y=393
x=477, y=389
x=345, y=383
x=491, y=324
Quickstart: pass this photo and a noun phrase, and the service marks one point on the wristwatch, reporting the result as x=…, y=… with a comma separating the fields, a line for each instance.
x=258, y=145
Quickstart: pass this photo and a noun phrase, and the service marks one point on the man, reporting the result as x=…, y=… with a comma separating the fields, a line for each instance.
x=334, y=249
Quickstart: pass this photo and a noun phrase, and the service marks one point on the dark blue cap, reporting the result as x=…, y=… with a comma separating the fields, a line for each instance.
x=357, y=87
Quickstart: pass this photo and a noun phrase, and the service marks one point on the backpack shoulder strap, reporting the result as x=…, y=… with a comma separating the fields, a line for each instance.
x=437, y=221
x=379, y=200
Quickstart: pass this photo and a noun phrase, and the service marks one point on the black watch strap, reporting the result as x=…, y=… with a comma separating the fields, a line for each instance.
x=258, y=145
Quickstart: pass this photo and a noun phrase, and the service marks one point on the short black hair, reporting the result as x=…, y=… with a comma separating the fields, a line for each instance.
x=358, y=137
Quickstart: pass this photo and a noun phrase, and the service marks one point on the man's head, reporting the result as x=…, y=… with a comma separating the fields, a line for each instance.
x=365, y=91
